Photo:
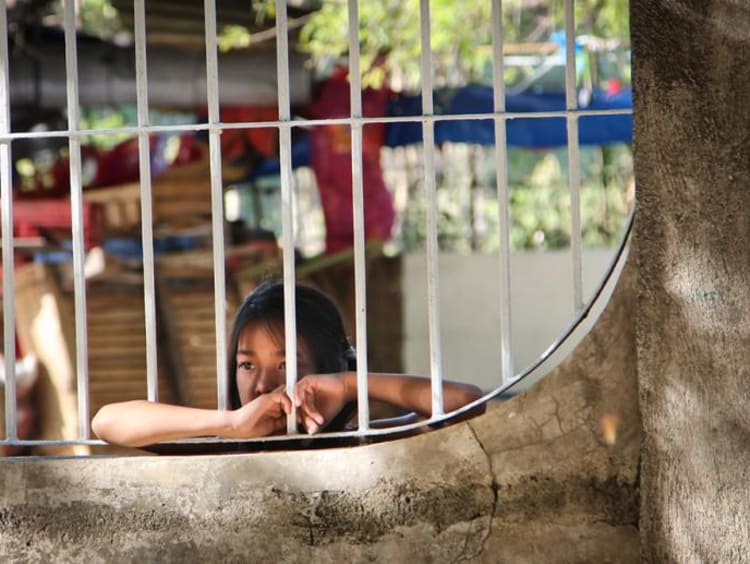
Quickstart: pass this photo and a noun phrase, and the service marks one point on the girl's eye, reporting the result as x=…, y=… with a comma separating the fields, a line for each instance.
x=246, y=365
x=282, y=365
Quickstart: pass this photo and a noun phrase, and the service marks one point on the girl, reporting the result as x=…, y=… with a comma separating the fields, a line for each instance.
x=325, y=393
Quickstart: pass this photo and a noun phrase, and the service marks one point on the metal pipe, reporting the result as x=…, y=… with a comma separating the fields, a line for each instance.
x=6, y=198
x=307, y=123
x=287, y=209
x=358, y=201
x=77, y=227
x=217, y=206
x=503, y=196
x=177, y=79
x=431, y=243
x=574, y=173
x=147, y=229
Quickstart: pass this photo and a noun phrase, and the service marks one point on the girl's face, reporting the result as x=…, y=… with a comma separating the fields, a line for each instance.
x=261, y=361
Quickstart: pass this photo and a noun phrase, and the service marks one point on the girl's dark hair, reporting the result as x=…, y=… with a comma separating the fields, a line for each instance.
x=318, y=322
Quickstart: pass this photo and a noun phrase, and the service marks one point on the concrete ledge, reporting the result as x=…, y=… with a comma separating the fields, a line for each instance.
x=550, y=475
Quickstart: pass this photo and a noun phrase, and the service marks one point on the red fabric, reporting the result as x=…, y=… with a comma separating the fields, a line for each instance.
x=331, y=160
x=265, y=140
x=100, y=168
x=31, y=215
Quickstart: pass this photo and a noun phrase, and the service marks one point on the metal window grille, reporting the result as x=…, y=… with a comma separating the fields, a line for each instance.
x=285, y=124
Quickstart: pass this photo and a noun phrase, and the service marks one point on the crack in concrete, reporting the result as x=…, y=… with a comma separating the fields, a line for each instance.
x=554, y=416
x=556, y=413
x=462, y=553
x=310, y=529
x=544, y=441
x=495, y=495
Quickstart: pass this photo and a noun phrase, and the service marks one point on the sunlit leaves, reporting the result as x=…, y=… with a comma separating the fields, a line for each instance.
x=461, y=35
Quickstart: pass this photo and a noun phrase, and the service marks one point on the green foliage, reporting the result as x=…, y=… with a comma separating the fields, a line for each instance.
x=461, y=39
x=233, y=37
x=105, y=118
x=98, y=18
x=608, y=19
x=539, y=200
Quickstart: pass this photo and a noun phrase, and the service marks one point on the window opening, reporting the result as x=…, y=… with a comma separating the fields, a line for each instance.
x=435, y=117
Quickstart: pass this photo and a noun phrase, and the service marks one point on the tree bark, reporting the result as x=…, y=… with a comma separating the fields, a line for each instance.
x=692, y=139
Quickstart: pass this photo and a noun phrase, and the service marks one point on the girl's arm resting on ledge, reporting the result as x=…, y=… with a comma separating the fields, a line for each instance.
x=139, y=422
x=413, y=393
x=321, y=396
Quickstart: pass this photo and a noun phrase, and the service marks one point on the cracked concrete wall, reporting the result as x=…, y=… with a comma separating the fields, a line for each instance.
x=550, y=476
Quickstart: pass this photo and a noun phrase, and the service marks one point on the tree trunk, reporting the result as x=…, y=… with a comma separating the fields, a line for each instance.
x=692, y=140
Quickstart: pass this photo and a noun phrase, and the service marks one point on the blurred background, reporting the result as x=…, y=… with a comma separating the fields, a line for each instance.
x=395, y=207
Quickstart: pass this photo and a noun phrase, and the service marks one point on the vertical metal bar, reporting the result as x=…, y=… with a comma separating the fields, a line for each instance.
x=360, y=289
x=574, y=175
x=217, y=205
x=6, y=198
x=428, y=136
x=147, y=230
x=503, y=197
x=77, y=226
x=287, y=206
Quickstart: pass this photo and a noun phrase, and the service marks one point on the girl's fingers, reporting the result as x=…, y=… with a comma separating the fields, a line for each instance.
x=311, y=408
x=312, y=421
x=286, y=403
x=301, y=389
x=279, y=402
x=317, y=416
x=305, y=400
x=310, y=425
x=279, y=426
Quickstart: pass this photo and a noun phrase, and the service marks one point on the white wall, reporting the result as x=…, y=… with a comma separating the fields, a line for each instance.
x=542, y=308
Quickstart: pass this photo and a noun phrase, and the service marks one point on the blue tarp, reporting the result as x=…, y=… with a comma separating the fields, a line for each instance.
x=532, y=133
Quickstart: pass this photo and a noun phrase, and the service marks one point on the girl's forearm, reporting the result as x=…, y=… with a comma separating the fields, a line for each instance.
x=139, y=422
x=412, y=393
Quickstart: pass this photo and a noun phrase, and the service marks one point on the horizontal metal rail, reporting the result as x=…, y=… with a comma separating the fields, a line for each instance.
x=222, y=126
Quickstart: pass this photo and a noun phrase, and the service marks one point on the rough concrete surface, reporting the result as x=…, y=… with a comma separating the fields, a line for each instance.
x=549, y=476
x=692, y=133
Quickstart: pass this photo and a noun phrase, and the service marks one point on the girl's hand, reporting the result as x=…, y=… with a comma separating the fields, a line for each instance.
x=319, y=398
x=263, y=416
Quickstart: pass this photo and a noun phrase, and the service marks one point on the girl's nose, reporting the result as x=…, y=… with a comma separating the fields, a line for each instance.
x=267, y=382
